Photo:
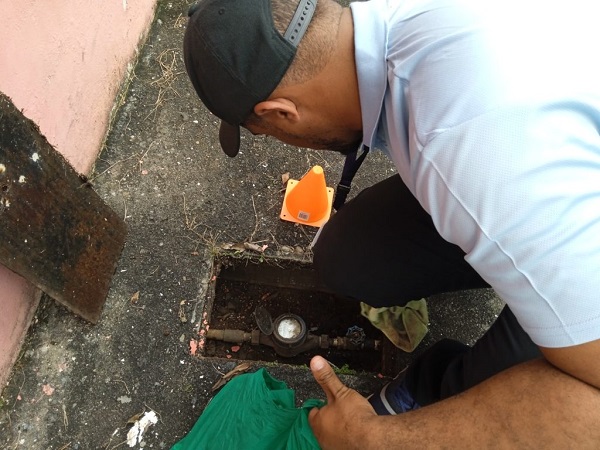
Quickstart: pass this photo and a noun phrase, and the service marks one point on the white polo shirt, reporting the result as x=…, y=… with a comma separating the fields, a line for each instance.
x=490, y=111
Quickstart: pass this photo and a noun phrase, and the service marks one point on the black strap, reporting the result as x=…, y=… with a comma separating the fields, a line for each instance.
x=351, y=166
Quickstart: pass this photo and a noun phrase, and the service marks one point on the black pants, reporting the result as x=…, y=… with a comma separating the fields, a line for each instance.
x=383, y=249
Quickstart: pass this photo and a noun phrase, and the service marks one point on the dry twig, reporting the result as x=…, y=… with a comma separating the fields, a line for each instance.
x=167, y=61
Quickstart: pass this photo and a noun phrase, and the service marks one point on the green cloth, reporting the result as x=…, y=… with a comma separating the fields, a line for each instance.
x=405, y=326
x=254, y=411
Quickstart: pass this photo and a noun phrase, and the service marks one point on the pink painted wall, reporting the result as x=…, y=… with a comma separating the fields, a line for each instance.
x=62, y=63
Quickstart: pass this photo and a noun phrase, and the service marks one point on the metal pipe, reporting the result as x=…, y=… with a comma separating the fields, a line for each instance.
x=312, y=341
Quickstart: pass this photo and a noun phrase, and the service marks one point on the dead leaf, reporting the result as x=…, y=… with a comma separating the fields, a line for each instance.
x=285, y=177
x=237, y=370
x=255, y=247
x=133, y=419
x=238, y=247
x=135, y=297
x=182, y=316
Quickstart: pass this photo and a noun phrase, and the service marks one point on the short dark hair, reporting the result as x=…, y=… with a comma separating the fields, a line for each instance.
x=317, y=45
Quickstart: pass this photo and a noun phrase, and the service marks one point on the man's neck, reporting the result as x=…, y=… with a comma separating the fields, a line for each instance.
x=337, y=85
x=333, y=92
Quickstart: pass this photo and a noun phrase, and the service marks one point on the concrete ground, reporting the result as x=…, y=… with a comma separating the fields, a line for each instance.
x=76, y=385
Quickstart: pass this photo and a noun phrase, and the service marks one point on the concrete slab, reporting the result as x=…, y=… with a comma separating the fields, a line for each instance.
x=76, y=385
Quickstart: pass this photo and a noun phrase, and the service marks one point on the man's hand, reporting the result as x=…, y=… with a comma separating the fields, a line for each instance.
x=339, y=424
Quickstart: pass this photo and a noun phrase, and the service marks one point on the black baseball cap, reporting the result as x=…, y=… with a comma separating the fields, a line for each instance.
x=235, y=57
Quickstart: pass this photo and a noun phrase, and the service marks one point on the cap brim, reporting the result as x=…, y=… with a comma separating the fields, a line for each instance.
x=229, y=137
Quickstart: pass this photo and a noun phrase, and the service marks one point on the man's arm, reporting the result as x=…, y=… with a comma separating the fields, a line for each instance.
x=532, y=405
x=580, y=361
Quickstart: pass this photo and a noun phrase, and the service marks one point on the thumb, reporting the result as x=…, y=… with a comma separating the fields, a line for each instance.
x=324, y=375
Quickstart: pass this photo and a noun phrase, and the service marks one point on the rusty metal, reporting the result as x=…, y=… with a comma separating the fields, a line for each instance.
x=311, y=342
x=55, y=231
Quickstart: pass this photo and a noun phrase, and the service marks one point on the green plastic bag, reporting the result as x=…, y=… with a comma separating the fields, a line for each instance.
x=253, y=411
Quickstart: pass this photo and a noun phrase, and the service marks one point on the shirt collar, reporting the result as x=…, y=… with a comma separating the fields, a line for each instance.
x=370, y=44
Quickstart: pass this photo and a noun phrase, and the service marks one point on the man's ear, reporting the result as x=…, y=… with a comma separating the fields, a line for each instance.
x=281, y=108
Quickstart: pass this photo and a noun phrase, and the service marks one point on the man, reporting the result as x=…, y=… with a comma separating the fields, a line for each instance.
x=491, y=113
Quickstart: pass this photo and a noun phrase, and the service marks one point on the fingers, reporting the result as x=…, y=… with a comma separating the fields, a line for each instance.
x=311, y=414
x=345, y=410
x=324, y=375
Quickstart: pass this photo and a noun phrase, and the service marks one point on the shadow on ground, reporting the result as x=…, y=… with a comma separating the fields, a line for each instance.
x=75, y=386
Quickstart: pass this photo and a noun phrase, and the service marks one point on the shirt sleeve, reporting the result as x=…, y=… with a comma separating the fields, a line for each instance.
x=518, y=189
